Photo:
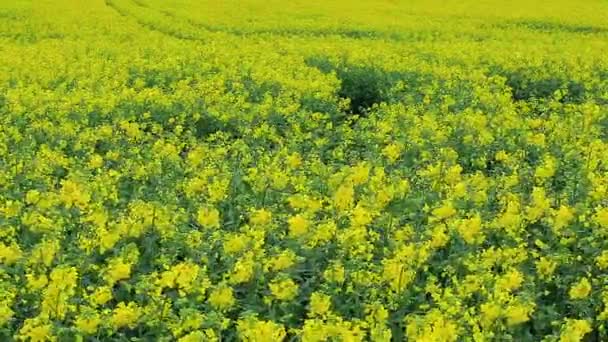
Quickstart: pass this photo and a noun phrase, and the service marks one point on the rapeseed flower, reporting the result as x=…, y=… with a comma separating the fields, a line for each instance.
x=222, y=298
x=298, y=225
x=574, y=330
x=125, y=315
x=580, y=290
x=208, y=217
x=285, y=289
x=168, y=181
x=253, y=330
x=319, y=304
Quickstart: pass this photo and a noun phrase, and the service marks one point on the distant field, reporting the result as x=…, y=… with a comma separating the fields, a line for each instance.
x=303, y=170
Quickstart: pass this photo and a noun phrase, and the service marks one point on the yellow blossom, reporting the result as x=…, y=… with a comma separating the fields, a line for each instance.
x=253, y=330
x=335, y=273
x=74, y=194
x=601, y=217
x=545, y=267
x=294, y=160
x=117, y=270
x=284, y=289
x=57, y=295
x=580, y=290
x=547, y=169
x=470, y=230
x=562, y=218
x=510, y=281
x=518, y=313
x=575, y=330
x=319, y=304
x=125, y=315
x=222, y=297
x=88, y=324
x=260, y=217
x=208, y=217
x=602, y=260
x=34, y=330
x=445, y=211
x=392, y=152
x=101, y=295
x=283, y=261
x=9, y=254
x=298, y=225
x=243, y=269
x=344, y=197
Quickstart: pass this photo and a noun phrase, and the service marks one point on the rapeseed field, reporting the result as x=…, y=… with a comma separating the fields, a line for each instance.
x=381, y=170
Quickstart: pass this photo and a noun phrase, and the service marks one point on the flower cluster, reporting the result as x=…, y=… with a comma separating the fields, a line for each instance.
x=316, y=171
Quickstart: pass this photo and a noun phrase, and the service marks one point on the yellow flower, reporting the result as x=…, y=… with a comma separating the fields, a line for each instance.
x=563, y=217
x=74, y=194
x=490, y=312
x=517, y=314
x=36, y=283
x=580, y=290
x=182, y=276
x=283, y=261
x=439, y=237
x=361, y=216
x=243, y=269
x=601, y=217
x=602, y=260
x=574, y=330
x=101, y=296
x=36, y=331
x=546, y=170
x=335, y=273
x=433, y=327
x=107, y=239
x=117, y=270
x=89, y=324
x=194, y=186
x=208, y=217
x=315, y=330
x=501, y=156
x=511, y=219
x=360, y=174
x=218, y=190
x=294, y=160
x=344, y=197
x=56, y=297
x=125, y=315
x=537, y=140
x=96, y=161
x=540, y=204
x=392, y=152
x=298, y=226
x=323, y=233
x=6, y=313
x=253, y=330
x=510, y=281
x=453, y=174
x=470, y=230
x=445, y=211
x=32, y=197
x=235, y=243
x=207, y=335
x=319, y=304
x=545, y=267
x=222, y=298
x=9, y=254
x=284, y=289
x=260, y=217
